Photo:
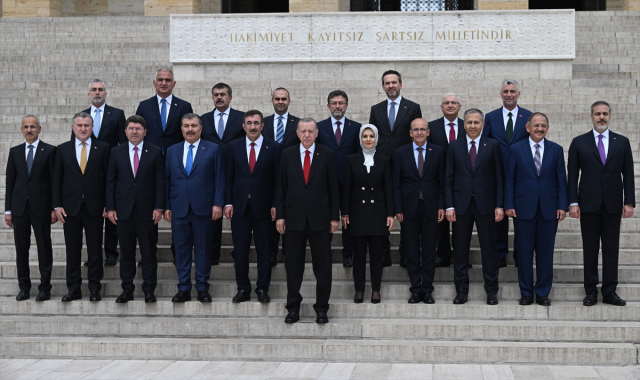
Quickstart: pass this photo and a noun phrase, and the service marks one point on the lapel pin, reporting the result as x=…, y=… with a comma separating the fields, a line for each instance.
x=519, y=115
x=146, y=150
x=405, y=106
x=266, y=147
x=95, y=147
x=485, y=144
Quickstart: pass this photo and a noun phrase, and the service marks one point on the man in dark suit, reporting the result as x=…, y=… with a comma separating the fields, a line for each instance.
x=108, y=127
x=281, y=127
x=194, y=199
x=251, y=176
x=28, y=205
x=507, y=125
x=443, y=132
x=393, y=118
x=78, y=194
x=536, y=164
x=221, y=126
x=475, y=194
x=307, y=209
x=418, y=181
x=135, y=201
x=606, y=192
x=341, y=135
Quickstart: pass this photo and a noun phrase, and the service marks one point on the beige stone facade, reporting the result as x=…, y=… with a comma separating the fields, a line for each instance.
x=32, y=8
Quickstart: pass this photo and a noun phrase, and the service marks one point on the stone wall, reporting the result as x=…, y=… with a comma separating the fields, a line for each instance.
x=75, y=8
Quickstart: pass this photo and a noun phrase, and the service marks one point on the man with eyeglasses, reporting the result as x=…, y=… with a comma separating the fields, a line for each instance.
x=341, y=135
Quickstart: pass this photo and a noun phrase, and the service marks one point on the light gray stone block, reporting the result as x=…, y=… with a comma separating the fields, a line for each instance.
x=456, y=70
x=337, y=371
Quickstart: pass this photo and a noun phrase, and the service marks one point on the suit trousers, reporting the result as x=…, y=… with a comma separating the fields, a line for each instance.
x=420, y=234
x=539, y=235
x=376, y=260
x=216, y=243
x=444, y=241
x=320, y=243
x=145, y=233
x=22, y=237
x=110, y=238
x=463, y=229
x=598, y=227
x=92, y=226
x=242, y=228
x=502, y=235
x=192, y=234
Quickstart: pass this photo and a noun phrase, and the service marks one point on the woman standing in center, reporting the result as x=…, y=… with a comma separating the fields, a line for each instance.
x=367, y=205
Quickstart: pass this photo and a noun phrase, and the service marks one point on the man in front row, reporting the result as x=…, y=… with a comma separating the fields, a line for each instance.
x=194, y=199
x=475, y=193
x=135, y=201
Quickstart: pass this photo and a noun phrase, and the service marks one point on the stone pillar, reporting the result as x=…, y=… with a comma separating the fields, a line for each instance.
x=629, y=5
x=31, y=8
x=502, y=4
x=167, y=7
x=319, y=5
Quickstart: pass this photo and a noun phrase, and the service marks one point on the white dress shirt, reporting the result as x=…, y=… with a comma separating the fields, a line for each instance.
x=284, y=124
x=168, y=105
x=477, y=140
x=96, y=122
x=415, y=152
x=533, y=148
x=225, y=117
x=79, y=149
x=505, y=117
x=186, y=152
x=447, y=128
x=397, y=101
x=605, y=140
x=35, y=148
x=258, y=143
x=132, y=153
x=311, y=149
x=333, y=123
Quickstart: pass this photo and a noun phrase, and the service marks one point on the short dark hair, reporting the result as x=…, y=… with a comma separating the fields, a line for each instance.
x=281, y=88
x=335, y=93
x=190, y=116
x=471, y=111
x=221, y=86
x=600, y=103
x=136, y=119
x=81, y=115
x=253, y=113
x=391, y=72
x=536, y=114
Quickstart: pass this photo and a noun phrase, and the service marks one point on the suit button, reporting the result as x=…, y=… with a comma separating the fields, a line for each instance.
x=372, y=201
x=372, y=188
x=363, y=188
x=362, y=201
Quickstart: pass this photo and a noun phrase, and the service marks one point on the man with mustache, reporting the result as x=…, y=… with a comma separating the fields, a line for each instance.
x=606, y=194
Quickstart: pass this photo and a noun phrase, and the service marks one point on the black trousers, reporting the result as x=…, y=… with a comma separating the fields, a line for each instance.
x=376, y=260
x=463, y=229
x=110, y=238
x=320, y=243
x=22, y=237
x=242, y=229
x=444, y=241
x=145, y=233
x=600, y=227
x=92, y=226
x=420, y=234
x=216, y=247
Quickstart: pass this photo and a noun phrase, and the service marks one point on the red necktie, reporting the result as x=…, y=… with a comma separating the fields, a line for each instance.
x=252, y=157
x=338, y=133
x=307, y=166
x=452, y=133
x=136, y=161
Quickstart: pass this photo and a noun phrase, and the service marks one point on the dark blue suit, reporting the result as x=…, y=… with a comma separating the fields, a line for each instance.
x=536, y=221
x=191, y=199
x=150, y=110
x=494, y=128
x=252, y=215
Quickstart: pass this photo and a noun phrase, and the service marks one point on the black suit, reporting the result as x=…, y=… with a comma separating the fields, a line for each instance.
x=308, y=210
x=83, y=199
x=150, y=110
x=475, y=194
x=439, y=136
x=420, y=225
x=134, y=198
x=601, y=194
x=28, y=197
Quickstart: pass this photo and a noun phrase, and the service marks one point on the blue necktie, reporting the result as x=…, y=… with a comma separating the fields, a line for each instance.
x=189, y=164
x=280, y=131
x=163, y=114
x=30, y=159
x=221, y=126
x=392, y=115
x=97, y=123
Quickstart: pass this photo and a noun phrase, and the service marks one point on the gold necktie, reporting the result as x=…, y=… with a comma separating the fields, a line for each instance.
x=83, y=157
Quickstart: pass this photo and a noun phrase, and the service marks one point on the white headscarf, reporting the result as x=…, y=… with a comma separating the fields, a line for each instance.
x=368, y=153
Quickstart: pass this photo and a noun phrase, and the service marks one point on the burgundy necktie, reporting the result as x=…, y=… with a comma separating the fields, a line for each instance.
x=136, y=161
x=452, y=133
x=472, y=155
x=420, y=165
x=252, y=157
x=338, y=133
x=307, y=166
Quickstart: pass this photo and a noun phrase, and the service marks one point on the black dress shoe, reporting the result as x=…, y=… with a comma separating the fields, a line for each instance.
x=526, y=301
x=591, y=299
x=440, y=262
x=503, y=263
x=292, y=317
x=543, y=301
x=428, y=298
x=263, y=296
x=387, y=261
x=358, y=298
x=613, y=299
x=321, y=318
x=125, y=297
x=415, y=298
x=95, y=296
x=492, y=299
x=110, y=261
x=181, y=296
x=375, y=299
x=274, y=261
x=470, y=265
x=461, y=298
x=43, y=296
x=149, y=297
x=23, y=295
x=347, y=261
x=204, y=296
x=242, y=296
x=215, y=262
x=72, y=295
x=403, y=262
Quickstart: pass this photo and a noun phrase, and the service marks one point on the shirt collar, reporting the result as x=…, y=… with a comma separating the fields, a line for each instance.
x=505, y=112
x=195, y=144
x=333, y=120
x=477, y=140
x=101, y=108
x=168, y=98
x=258, y=141
x=605, y=133
x=533, y=143
x=285, y=116
x=131, y=146
x=398, y=100
x=311, y=149
x=35, y=143
x=415, y=146
x=216, y=113
x=78, y=142
x=455, y=121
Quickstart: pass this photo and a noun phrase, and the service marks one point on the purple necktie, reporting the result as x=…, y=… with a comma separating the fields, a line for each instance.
x=603, y=155
x=136, y=161
x=338, y=133
x=472, y=155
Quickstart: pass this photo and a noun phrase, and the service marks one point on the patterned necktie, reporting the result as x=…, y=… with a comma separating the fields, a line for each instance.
x=30, y=159
x=603, y=155
x=280, y=131
x=452, y=133
x=136, y=161
x=392, y=115
x=83, y=157
x=163, y=114
x=221, y=126
x=307, y=166
x=509, y=128
x=338, y=133
x=189, y=164
x=97, y=123
x=420, y=165
x=472, y=155
x=537, y=159
x=252, y=157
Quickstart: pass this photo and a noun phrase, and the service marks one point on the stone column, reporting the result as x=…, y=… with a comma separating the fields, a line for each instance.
x=502, y=4
x=31, y=8
x=167, y=7
x=319, y=5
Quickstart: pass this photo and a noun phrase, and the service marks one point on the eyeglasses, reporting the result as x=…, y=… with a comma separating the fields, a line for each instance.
x=420, y=129
x=450, y=103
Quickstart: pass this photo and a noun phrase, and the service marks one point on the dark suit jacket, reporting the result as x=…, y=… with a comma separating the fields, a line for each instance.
x=202, y=189
x=368, y=197
x=146, y=189
x=290, y=136
x=607, y=183
x=407, y=182
x=318, y=201
x=390, y=140
x=150, y=110
x=232, y=129
x=522, y=180
x=349, y=142
x=261, y=184
x=111, y=127
x=485, y=183
x=37, y=186
x=438, y=132
x=494, y=129
x=70, y=185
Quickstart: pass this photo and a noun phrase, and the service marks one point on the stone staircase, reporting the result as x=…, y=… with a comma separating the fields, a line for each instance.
x=45, y=68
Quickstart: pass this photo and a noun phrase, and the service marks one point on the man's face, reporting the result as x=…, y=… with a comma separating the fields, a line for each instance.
x=537, y=128
x=164, y=83
x=97, y=94
x=338, y=107
x=601, y=117
x=391, y=86
x=510, y=95
x=280, y=101
x=82, y=128
x=473, y=124
x=419, y=131
x=30, y=129
x=191, y=130
x=253, y=127
x=307, y=133
x=450, y=107
x=135, y=133
x=221, y=99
